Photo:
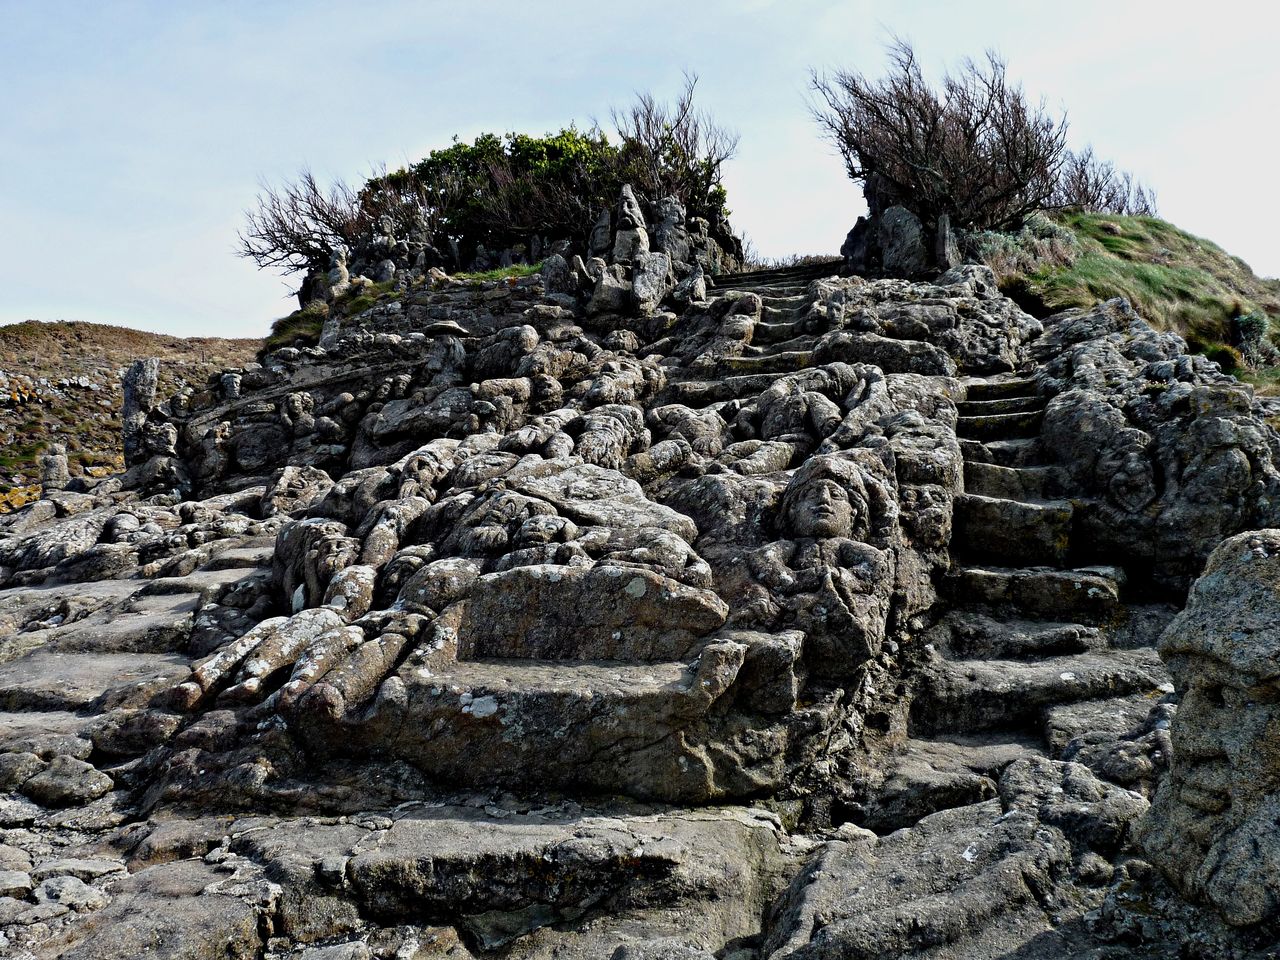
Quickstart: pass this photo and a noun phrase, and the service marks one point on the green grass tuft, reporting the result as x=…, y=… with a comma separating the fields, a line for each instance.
x=1175, y=280
x=300, y=328
x=502, y=273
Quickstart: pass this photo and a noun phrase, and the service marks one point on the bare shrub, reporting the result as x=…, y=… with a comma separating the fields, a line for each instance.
x=1096, y=186
x=975, y=150
x=675, y=150
x=299, y=225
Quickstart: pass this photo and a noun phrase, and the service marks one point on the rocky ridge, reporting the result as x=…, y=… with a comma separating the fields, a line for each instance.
x=802, y=616
x=63, y=381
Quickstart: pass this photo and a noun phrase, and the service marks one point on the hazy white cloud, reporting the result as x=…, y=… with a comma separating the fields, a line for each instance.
x=135, y=133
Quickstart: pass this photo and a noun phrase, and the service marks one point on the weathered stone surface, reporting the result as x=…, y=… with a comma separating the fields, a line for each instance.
x=351, y=662
x=973, y=881
x=903, y=251
x=66, y=781
x=1214, y=826
x=139, y=386
x=54, y=472
x=1172, y=446
x=650, y=281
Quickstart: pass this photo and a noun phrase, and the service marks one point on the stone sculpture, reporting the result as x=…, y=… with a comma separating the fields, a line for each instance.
x=608, y=612
x=1215, y=828
x=828, y=578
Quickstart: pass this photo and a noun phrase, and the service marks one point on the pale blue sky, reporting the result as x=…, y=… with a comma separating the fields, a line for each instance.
x=134, y=134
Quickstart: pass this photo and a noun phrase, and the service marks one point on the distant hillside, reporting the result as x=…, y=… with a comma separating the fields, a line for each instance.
x=61, y=382
x=1176, y=280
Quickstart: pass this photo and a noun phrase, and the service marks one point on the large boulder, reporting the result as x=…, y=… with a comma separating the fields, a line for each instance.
x=139, y=384
x=903, y=250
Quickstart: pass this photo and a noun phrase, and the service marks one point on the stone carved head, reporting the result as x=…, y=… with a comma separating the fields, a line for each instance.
x=1128, y=472
x=826, y=498
x=1215, y=826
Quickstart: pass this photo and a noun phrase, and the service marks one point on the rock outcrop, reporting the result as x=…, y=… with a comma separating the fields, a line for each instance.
x=601, y=614
x=61, y=384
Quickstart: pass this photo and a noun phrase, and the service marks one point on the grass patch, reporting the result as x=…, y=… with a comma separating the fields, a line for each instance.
x=21, y=455
x=1265, y=381
x=502, y=273
x=1175, y=280
x=300, y=328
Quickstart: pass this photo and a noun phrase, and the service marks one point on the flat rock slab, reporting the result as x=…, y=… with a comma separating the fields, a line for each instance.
x=45, y=680
x=507, y=873
x=148, y=624
x=976, y=695
x=239, y=558
x=1113, y=717
x=171, y=912
x=204, y=582
x=46, y=723
x=931, y=775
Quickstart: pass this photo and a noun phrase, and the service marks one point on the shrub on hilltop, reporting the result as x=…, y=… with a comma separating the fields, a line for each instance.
x=973, y=149
x=499, y=191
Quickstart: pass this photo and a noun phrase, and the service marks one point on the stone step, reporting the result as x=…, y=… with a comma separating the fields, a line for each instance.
x=1092, y=721
x=779, y=275
x=967, y=635
x=1001, y=426
x=1012, y=483
x=785, y=361
x=1026, y=452
x=498, y=722
x=779, y=315
x=925, y=776
x=995, y=389
x=981, y=408
x=1088, y=595
x=776, y=333
x=249, y=555
x=1012, y=531
x=784, y=302
x=969, y=696
x=43, y=680
x=786, y=291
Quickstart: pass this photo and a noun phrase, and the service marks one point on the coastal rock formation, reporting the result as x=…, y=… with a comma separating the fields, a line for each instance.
x=592, y=615
x=1215, y=828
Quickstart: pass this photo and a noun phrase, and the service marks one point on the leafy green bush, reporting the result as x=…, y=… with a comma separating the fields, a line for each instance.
x=1252, y=326
x=500, y=190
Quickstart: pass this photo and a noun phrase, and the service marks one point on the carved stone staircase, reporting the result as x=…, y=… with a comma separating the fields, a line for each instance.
x=1040, y=642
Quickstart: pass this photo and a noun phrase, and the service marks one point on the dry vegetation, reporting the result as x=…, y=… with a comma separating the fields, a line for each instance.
x=85, y=417
x=1178, y=281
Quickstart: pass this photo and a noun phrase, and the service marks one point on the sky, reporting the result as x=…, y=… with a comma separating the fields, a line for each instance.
x=134, y=135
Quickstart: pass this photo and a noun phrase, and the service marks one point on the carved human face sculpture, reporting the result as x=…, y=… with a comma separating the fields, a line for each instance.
x=1226, y=742
x=1132, y=485
x=1215, y=823
x=822, y=509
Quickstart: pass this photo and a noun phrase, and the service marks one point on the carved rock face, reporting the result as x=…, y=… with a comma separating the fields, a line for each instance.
x=822, y=509
x=826, y=498
x=1214, y=826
